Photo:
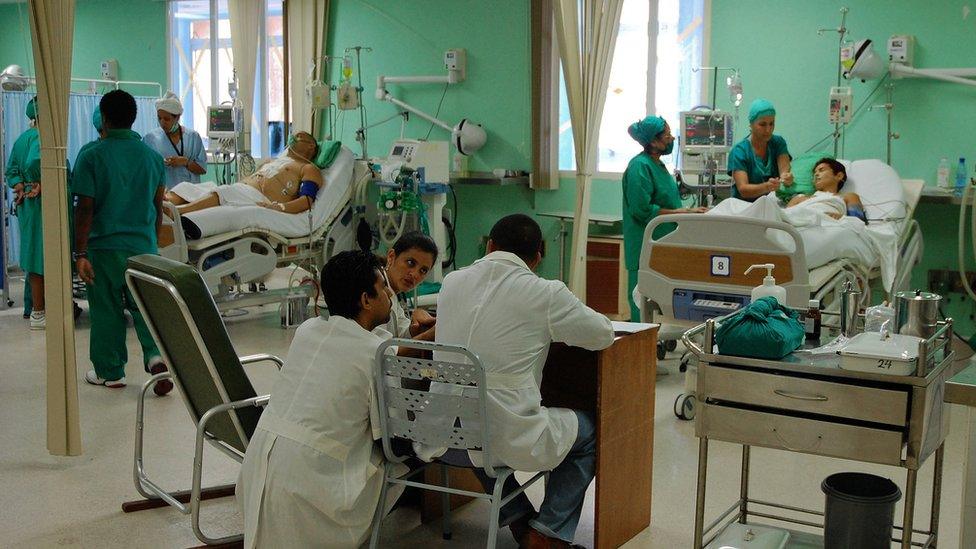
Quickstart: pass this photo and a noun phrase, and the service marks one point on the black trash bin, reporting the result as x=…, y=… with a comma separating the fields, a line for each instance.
x=859, y=512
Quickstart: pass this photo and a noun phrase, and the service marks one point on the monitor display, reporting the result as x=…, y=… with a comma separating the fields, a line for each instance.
x=701, y=129
x=220, y=119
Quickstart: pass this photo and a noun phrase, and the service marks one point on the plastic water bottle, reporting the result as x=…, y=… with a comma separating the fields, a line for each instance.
x=943, y=174
x=961, y=176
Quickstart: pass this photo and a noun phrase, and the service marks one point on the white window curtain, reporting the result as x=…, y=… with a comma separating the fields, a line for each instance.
x=306, y=35
x=245, y=18
x=52, y=24
x=586, y=51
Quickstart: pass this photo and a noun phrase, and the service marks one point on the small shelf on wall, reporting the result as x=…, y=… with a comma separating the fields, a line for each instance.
x=489, y=178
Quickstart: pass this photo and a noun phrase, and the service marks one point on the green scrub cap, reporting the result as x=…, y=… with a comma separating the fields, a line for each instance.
x=32, y=108
x=97, y=119
x=644, y=131
x=760, y=107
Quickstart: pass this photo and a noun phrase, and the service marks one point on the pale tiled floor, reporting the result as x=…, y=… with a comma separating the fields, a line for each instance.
x=48, y=501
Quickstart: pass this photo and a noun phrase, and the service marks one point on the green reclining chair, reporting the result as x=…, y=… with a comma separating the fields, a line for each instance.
x=208, y=374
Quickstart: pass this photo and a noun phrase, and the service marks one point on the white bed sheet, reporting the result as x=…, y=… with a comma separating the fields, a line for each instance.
x=332, y=196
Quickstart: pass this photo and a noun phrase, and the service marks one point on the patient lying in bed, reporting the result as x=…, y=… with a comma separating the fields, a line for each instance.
x=287, y=184
x=829, y=177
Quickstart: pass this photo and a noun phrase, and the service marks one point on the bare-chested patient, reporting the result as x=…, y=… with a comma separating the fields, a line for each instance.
x=277, y=185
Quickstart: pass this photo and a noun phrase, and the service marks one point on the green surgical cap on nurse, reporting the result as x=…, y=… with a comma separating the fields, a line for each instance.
x=31, y=110
x=97, y=119
x=644, y=131
x=760, y=107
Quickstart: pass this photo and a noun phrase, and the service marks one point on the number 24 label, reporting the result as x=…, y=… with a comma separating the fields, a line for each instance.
x=885, y=364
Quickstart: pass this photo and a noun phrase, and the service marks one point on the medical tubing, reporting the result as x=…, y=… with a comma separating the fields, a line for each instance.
x=853, y=115
x=438, y=111
x=962, y=238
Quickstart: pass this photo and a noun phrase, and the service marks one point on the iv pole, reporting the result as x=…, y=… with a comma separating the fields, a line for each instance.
x=361, y=132
x=841, y=31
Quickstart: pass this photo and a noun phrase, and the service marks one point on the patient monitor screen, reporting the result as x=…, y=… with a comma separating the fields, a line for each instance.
x=703, y=128
x=220, y=121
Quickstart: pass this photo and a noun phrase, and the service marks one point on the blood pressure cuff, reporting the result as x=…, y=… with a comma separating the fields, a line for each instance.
x=858, y=212
x=309, y=189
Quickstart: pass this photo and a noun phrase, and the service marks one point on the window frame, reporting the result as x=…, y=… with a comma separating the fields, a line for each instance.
x=649, y=100
x=260, y=106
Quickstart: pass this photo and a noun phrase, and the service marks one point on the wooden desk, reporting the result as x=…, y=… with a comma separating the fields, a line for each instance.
x=617, y=386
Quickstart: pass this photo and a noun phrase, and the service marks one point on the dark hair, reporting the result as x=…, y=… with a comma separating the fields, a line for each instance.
x=344, y=279
x=836, y=167
x=416, y=239
x=518, y=234
x=118, y=108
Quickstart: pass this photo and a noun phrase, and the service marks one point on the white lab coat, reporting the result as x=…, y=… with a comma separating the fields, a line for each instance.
x=312, y=474
x=506, y=315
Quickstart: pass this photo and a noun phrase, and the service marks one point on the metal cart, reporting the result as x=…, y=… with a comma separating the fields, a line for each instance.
x=805, y=403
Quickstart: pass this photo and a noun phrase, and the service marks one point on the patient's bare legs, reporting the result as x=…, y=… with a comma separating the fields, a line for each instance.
x=208, y=201
x=174, y=198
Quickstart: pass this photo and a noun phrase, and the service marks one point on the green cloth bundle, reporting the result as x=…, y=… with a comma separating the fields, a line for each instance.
x=762, y=329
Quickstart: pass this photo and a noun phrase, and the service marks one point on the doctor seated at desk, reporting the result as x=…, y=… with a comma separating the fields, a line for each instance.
x=499, y=309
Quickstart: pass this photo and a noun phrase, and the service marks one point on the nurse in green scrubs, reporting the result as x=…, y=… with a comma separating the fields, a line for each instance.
x=649, y=190
x=119, y=182
x=760, y=163
x=24, y=177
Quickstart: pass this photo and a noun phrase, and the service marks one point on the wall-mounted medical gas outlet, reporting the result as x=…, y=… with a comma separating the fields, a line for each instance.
x=109, y=69
x=456, y=60
x=901, y=49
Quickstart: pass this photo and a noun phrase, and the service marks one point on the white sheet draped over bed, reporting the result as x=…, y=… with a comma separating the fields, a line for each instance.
x=825, y=239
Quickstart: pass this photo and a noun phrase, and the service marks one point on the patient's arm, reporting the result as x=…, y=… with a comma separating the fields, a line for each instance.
x=852, y=199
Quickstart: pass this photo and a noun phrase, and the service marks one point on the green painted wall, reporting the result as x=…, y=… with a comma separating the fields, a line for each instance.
x=409, y=38
x=131, y=31
x=782, y=58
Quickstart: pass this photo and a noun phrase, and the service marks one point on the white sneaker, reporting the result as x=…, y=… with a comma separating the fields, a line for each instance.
x=92, y=377
x=38, y=320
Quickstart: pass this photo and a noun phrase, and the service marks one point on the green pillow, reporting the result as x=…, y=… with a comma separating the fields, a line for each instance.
x=328, y=150
x=802, y=167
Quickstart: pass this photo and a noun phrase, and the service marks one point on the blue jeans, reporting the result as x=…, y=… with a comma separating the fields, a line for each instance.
x=560, y=511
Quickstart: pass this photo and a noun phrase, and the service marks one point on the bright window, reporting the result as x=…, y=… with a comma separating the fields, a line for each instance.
x=202, y=66
x=643, y=80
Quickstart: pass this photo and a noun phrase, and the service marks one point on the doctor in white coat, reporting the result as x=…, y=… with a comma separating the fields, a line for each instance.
x=507, y=315
x=408, y=263
x=312, y=474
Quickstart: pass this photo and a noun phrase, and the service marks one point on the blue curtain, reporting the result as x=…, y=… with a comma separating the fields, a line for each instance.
x=81, y=106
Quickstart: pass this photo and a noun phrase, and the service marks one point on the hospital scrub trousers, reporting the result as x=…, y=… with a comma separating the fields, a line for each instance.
x=565, y=490
x=107, y=298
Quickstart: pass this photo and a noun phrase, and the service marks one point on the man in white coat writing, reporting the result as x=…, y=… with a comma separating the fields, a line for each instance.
x=507, y=315
x=312, y=474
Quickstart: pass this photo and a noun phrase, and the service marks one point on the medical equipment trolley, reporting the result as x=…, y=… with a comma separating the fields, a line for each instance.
x=806, y=403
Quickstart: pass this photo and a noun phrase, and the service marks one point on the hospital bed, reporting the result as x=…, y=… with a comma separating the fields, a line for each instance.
x=697, y=271
x=238, y=245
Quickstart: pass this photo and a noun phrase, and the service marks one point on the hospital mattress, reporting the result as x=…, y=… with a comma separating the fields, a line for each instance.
x=332, y=195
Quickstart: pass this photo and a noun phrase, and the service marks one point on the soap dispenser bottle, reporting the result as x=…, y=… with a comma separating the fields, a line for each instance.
x=768, y=286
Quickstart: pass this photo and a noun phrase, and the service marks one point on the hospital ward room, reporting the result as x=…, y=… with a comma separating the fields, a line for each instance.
x=527, y=274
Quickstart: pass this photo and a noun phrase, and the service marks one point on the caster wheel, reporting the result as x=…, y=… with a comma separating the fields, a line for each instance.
x=671, y=345
x=10, y=303
x=683, y=367
x=661, y=351
x=685, y=406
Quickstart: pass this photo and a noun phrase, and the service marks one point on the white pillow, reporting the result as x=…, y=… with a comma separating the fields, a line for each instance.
x=879, y=187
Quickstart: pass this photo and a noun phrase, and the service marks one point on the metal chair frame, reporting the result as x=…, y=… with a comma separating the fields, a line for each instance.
x=190, y=503
x=456, y=436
